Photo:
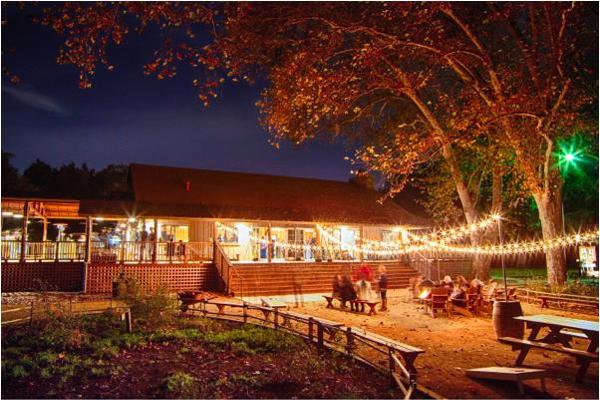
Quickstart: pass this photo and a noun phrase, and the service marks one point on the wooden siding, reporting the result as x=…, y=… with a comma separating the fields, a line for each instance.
x=201, y=231
x=63, y=277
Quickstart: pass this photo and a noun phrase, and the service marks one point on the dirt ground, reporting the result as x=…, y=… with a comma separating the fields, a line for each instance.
x=453, y=345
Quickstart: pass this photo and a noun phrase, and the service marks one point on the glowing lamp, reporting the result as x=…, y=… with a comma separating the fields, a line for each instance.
x=18, y=216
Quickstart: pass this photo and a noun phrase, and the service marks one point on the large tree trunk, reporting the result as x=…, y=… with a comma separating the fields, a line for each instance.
x=481, y=263
x=550, y=210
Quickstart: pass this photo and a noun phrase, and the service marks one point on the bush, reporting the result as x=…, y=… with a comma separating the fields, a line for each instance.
x=154, y=309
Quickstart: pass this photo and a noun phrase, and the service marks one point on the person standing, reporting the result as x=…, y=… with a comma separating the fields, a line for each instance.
x=382, y=284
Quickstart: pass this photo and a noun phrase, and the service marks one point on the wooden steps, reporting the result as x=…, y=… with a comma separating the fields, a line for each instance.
x=295, y=278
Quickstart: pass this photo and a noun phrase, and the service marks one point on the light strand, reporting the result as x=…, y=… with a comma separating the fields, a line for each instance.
x=527, y=247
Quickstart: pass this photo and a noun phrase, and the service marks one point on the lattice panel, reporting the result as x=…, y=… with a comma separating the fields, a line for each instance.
x=64, y=277
x=173, y=277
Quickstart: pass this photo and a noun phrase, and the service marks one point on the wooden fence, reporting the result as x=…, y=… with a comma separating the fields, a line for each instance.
x=37, y=310
x=561, y=301
x=390, y=357
x=436, y=268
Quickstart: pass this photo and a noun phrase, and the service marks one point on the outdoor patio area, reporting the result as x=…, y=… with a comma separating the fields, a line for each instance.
x=453, y=345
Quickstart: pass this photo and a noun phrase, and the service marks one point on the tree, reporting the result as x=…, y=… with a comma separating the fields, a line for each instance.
x=11, y=180
x=407, y=82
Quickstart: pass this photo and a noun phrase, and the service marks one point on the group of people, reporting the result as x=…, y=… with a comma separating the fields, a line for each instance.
x=347, y=290
x=457, y=288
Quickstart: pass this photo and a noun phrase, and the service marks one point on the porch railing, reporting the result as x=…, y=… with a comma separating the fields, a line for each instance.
x=223, y=265
x=102, y=251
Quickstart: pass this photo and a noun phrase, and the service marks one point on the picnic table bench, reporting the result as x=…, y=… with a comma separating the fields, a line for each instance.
x=372, y=304
x=561, y=332
x=517, y=375
x=330, y=300
x=354, y=303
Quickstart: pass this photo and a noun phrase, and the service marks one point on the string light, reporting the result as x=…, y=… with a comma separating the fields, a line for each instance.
x=394, y=248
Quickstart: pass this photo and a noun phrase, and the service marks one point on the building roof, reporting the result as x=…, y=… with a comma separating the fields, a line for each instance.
x=183, y=192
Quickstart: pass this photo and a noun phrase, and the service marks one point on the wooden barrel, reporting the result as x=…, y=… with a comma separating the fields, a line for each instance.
x=504, y=323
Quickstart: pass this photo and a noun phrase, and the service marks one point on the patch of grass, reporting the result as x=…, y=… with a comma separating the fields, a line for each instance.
x=181, y=385
x=259, y=340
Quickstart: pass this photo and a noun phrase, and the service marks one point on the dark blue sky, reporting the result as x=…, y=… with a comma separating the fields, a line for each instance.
x=129, y=117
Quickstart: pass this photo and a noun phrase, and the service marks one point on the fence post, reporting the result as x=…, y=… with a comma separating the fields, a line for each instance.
x=31, y=313
x=276, y=319
x=310, y=329
x=349, y=340
x=128, y=323
x=122, y=244
x=245, y=312
x=319, y=334
x=56, y=250
x=392, y=366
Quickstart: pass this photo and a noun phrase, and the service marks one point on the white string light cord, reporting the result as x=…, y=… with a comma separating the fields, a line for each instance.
x=441, y=236
x=535, y=246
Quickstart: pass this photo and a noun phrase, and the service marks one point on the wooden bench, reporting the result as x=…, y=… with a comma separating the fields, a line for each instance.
x=409, y=353
x=330, y=300
x=584, y=358
x=370, y=303
x=517, y=375
x=221, y=306
x=547, y=298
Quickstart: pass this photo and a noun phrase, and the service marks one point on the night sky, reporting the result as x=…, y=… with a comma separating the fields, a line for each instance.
x=129, y=117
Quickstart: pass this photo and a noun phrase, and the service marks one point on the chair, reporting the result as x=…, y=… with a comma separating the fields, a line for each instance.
x=437, y=300
x=512, y=294
x=469, y=303
x=488, y=296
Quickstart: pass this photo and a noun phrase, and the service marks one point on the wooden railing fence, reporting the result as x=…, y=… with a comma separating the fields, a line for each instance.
x=559, y=300
x=392, y=358
x=104, y=251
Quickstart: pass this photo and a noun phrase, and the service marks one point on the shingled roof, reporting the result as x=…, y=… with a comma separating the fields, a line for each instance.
x=196, y=193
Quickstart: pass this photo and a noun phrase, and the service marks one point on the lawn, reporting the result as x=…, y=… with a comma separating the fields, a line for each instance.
x=170, y=356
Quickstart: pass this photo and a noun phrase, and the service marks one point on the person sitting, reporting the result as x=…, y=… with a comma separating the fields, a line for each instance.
x=477, y=285
x=347, y=291
x=336, y=286
x=460, y=280
x=459, y=295
x=363, y=292
x=447, y=283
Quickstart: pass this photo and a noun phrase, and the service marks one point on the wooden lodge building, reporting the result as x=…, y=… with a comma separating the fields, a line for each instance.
x=245, y=234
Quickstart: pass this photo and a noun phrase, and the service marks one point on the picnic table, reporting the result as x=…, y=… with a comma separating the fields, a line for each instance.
x=562, y=330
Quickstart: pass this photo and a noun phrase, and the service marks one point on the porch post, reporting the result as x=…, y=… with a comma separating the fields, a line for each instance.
x=88, y=239
x=360, y=254
x=269, y=247
x=45, y=229
x=24, y=231
x=155, y=244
